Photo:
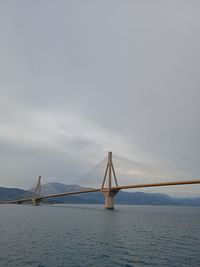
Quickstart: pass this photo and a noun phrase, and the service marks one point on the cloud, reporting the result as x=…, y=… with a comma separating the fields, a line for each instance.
x=77, y=80
x=52, y=144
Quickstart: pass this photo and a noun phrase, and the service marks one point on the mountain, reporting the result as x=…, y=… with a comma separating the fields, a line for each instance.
x=122, y=198
x=56, y=188
x=140, y=198
x=12, y=193
x=87, y=198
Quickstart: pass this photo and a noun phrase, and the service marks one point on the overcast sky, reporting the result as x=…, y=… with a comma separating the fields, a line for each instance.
x=80, y=78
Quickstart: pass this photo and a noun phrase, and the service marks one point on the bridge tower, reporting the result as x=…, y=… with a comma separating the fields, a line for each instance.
x=37, y=193
x=109, y=192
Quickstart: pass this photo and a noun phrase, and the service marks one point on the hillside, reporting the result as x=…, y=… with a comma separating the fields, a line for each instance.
x=12, y=193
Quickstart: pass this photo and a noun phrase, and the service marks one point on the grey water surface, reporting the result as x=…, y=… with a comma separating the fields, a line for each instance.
x=88, y=235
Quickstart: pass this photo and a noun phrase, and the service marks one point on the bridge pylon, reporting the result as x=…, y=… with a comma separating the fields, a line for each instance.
x=109, y=192
x=37, y=193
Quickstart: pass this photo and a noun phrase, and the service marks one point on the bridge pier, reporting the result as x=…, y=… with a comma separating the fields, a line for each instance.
x=109, y=192
x=36, y=202
x=37, y=193
x=109, y=196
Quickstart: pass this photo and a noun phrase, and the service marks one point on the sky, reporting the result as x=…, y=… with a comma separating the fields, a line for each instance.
x=81, y=78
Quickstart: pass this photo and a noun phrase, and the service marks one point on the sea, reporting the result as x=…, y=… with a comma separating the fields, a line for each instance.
x=88, y=235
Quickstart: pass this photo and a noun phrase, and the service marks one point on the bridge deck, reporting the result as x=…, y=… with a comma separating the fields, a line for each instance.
x=100, y=189
x=157, y=184
x=70, y=193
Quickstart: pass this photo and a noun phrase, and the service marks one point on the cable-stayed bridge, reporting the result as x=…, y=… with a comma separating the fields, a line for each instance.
x=109, y=187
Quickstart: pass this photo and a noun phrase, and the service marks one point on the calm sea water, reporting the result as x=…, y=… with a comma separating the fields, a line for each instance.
x=88, y=235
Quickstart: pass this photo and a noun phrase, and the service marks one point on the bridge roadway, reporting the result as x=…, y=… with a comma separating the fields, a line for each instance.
x=116, y=188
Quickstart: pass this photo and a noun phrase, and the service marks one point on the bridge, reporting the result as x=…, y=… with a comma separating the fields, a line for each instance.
x=109, y=191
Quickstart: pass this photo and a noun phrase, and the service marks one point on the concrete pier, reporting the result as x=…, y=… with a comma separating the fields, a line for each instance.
x=108, y=192
x=109, y=196
x=36, y=202
x=37, y=193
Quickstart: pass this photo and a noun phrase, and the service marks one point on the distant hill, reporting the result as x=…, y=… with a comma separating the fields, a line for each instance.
x=12, y=193
x=56, y=188
x=122, y=198
x=140, y=198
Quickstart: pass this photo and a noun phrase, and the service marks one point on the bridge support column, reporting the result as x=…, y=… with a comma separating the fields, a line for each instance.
x=109, y=196
x=109, y=192
x=35, y=202
x=37, y=193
